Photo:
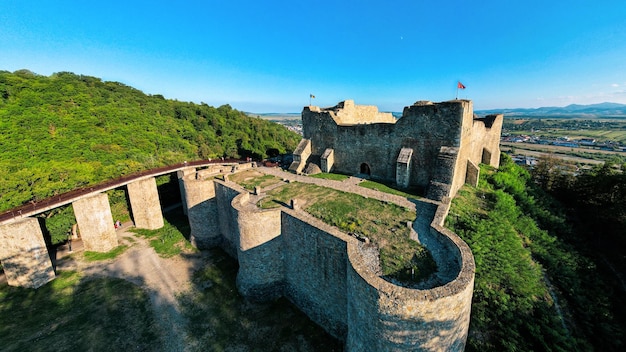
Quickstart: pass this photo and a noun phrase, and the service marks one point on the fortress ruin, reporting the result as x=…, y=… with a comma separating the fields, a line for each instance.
x=286, y=252
x=434, y=147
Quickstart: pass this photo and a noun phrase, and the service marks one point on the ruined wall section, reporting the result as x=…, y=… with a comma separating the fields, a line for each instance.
x=430, y=130
x=200, y=203
x=333, y=278
x=462, y=144
x=372, y=144
x=485, y=136
x=259, y=251
x=347, y=113
x=225, y=192
x=315, y=270
x=322, y=129
x=424, y=127
x=442, y=136
x=386, y=317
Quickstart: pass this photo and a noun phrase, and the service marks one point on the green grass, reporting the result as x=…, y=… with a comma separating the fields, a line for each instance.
x=249, y=179
x=167, y=241
x=386, y=189
x=112, y=254
x=74, y=314
x=331, y=176
x=384, y=224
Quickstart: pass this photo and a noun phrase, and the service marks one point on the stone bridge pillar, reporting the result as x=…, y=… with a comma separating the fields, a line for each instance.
x=144, y=202
x=95, y=222
x=24, y=255
x=182, y=174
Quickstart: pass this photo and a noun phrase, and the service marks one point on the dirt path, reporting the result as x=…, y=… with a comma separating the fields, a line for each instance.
x=162, y=278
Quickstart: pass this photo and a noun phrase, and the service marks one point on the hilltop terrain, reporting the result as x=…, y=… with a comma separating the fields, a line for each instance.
x=67, y=130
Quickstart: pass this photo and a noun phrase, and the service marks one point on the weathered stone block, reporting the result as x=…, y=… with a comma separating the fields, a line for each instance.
x=327, y=160
x=182, y=174
x=94, y=219
x=472, y=174
x=202, y=212
x=403, y=167
x=24, y=255
x=144, y=201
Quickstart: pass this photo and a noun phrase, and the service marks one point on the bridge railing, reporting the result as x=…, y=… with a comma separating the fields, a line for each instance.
x=36, y=207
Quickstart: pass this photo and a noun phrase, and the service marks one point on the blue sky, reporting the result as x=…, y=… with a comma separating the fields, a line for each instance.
x=268, y=56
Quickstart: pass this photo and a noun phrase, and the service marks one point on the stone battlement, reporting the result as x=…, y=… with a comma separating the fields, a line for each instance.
x=347, y=113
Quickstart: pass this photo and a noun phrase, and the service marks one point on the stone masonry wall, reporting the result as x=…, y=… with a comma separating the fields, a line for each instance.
x=347, y=113
x=260, y=250
x=225, y=192
x=315, y=270
x=144, y=202
x=431, y=130
x=284, y=252
x=423, y=128
x=201, y=206
x=386, y=317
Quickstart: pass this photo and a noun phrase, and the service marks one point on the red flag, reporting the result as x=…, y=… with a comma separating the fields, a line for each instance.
x=460, y=85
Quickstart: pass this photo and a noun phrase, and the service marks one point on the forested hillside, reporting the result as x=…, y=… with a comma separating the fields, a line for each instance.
x=65, y=131
x=539, y=284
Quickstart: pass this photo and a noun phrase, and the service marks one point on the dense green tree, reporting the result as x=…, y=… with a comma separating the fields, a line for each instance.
x=67, y=130
x=534, y=290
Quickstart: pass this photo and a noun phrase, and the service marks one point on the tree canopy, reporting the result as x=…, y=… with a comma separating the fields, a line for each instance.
x=67, y=130
x=536, y=288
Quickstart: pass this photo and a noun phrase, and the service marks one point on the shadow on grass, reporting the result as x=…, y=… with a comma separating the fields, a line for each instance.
x=176, y=218
x=219, y=318
x=76, y=313
x=72, y=313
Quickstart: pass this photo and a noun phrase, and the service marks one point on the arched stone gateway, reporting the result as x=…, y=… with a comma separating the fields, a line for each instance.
x=365, y=169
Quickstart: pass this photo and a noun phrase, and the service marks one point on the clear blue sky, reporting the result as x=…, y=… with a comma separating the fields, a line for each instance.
x=268, y=56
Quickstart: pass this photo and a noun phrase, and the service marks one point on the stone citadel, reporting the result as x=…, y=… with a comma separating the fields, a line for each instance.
x=285, y=252
x=435, y=147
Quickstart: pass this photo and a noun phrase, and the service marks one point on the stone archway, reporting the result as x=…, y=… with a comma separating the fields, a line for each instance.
x=365, y=169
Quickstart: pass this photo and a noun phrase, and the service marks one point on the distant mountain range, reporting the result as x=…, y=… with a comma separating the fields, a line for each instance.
x=602, y=110
x=592, y=111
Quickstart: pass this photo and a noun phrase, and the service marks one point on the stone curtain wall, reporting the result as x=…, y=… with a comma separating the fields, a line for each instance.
x=328, y=275
x=486, y=140
x=200, y=205
x=315, y=271
x=423, y=128
x=227, y=216
x=386, y=317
